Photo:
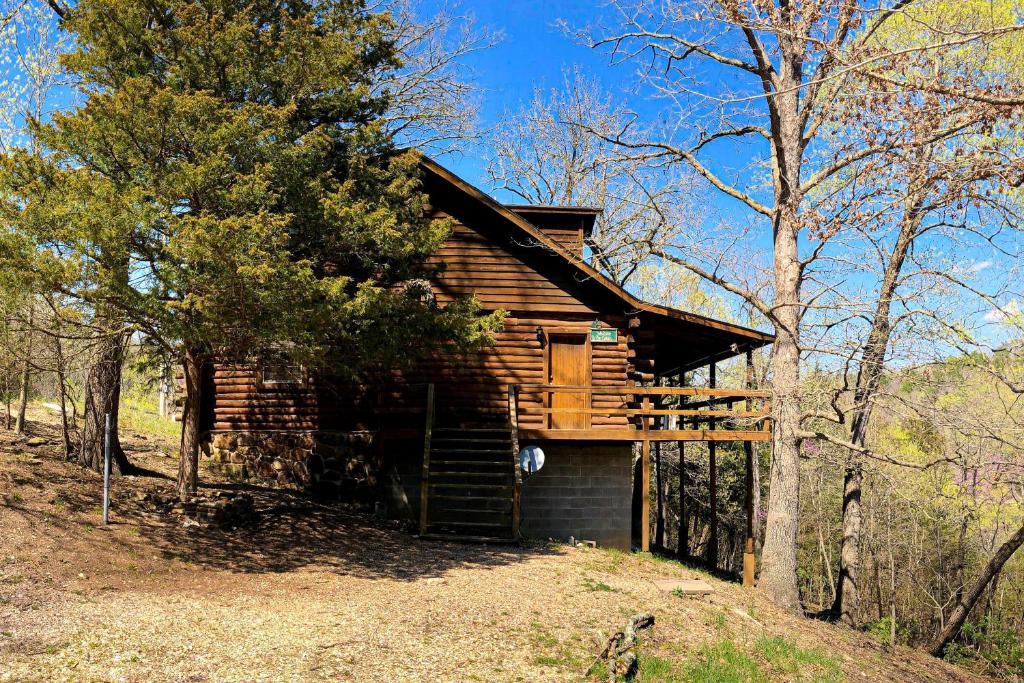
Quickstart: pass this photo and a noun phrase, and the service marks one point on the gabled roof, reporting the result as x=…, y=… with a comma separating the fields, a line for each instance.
x=733, y=338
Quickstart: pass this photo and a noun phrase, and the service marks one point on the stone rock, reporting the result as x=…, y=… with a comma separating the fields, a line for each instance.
x=36, y=441
x=234, y=470
x=246, y=439
x=277, y=465
x=225, y=441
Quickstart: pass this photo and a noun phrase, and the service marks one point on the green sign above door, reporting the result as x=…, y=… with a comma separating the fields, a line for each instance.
x=604, y=336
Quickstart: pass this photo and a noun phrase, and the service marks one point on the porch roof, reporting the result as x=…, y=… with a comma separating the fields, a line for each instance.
x=685, y=341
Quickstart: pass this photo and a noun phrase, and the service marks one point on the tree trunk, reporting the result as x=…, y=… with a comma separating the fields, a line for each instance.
x=166, y=391
x=103, y=396
x=778, y=556
x=62, y=385
x=970, y=598
x=26, y=376
x=779, y=565
x=869, y=375
x=188, y=461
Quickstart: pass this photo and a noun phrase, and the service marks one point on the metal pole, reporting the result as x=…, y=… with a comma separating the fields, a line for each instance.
x=106, y=472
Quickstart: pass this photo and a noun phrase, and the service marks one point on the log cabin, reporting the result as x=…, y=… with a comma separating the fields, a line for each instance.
x=578, y=370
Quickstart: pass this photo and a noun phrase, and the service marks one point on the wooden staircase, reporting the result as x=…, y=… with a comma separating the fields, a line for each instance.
x=470, y=484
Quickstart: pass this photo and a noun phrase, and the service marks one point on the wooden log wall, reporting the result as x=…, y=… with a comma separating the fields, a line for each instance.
x=566, y=230
x=502, y=275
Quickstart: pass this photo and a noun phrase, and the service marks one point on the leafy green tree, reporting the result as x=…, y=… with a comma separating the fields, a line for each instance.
x=229, y=189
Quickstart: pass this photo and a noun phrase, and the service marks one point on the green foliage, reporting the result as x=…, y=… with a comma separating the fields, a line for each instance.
x=656, y=670
x=723, y=662
x=882, y=629
x=597, y=586
x=806, y=665
x=228, y=188
x=999, y=648
x=772, y=658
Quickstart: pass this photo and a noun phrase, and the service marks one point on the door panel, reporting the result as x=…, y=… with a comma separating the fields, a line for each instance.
x=568, y=365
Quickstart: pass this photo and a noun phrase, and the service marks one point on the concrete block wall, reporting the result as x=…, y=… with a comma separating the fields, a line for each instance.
x=584, y=490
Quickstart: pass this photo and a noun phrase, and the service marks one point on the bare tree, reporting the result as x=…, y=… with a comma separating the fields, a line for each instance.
x=940, y=191
x=782, y=61
x=435, y=102
x=555, y=151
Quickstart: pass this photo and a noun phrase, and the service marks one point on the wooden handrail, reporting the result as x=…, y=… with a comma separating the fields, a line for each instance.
x=642, y=412
x=425, y=473
x=737, y=394
x=639, y=404
x=513, y=423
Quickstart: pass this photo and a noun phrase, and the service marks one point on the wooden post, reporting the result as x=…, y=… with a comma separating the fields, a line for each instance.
x=645, y=480
x=749, y=562
x=513, y=422
x=425, y=473
x=712, y=554
x=659, y=481
x=683, y=541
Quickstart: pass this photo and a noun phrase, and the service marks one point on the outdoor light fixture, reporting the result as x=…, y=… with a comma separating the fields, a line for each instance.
x=540, y=335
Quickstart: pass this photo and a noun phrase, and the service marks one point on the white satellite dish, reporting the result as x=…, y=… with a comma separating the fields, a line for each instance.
x=531, y=459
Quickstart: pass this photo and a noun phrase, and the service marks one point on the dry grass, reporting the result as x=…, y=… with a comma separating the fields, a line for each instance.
x=317, y=593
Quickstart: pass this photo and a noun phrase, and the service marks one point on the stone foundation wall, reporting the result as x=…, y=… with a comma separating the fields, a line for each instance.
x=333, y=464
x=584, y=490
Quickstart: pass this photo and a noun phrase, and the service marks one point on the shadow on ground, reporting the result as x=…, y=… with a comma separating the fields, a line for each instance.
x=294, y=530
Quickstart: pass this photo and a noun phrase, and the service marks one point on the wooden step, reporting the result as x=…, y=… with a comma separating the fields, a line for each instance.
x=503, y=463
x=457, y=473
x=477, y=511
x=461, y=538
x=497, y=525
x=447, y=485
x=480, y=451
x=474, y=499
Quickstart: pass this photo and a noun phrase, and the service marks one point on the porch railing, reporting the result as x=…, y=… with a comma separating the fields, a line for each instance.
x=643, y=413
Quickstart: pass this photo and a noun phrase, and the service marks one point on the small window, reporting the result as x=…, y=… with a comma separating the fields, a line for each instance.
x=282, y=373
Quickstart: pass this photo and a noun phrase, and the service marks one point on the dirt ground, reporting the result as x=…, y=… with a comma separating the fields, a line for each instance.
x=314, y=592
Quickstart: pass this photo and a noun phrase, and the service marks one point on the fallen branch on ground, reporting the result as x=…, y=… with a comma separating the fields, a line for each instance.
x=618, y=655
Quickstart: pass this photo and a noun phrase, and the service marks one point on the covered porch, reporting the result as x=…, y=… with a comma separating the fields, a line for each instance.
x=678, y=398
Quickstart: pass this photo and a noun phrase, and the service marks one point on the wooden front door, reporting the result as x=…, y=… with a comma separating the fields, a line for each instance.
x=568, y=365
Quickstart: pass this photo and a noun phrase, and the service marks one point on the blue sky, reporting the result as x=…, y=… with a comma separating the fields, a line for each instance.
x=534, y=52
x=537, y=49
